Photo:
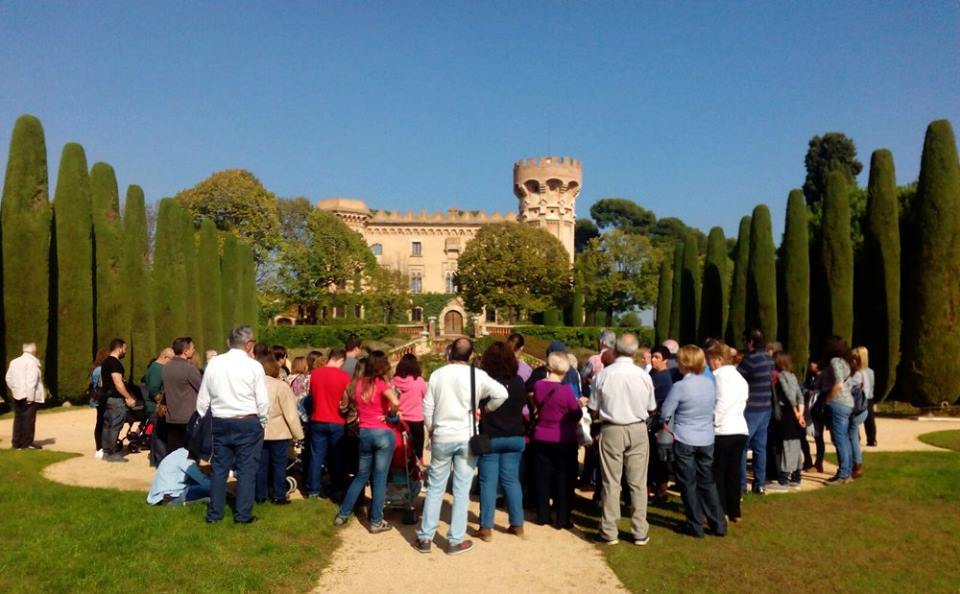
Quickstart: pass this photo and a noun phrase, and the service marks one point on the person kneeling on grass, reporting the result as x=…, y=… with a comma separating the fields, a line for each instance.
x=179, y=481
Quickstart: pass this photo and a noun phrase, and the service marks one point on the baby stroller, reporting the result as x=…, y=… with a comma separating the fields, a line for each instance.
x=295, y=467
x=139, y=427
x=405, y=478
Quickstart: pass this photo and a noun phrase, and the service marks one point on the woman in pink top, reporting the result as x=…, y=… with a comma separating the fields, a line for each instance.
x=375, y=401
x=408, y=382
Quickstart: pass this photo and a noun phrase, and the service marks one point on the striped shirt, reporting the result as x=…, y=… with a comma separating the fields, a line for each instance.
x=757, y=368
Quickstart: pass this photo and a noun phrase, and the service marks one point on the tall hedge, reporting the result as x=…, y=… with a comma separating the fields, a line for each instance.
x=931, y=327
x=230, y=279
x=689, y=291
x=713, y=300
x=74, y=239
x=113, y=315
x=795, y=260
x=837, y=254
x=208, y=259
x=675, y=308
x=881, y=270
x=248, y=287
x=664, y=301
x=762, y=275
x=169, y=277
x=736, y=320
x=26, y=222
x=136, y=255
x=195, y=290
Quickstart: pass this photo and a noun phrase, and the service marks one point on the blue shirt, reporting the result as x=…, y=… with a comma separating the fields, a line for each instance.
x=757, y=369
x=691, y=404
x=662, y=382
x=175, y=473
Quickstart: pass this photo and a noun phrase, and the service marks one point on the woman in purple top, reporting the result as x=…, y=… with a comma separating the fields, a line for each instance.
x=555, y=442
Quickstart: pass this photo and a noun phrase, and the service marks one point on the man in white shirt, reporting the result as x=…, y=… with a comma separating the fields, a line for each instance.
x=26, y=384
x=449, y=417
x=234, y=390
x=624, y=399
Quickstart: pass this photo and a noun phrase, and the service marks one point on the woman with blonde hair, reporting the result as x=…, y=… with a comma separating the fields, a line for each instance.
x=691, y=404
x=730, y=427
x=283, y=424
x=862, y=380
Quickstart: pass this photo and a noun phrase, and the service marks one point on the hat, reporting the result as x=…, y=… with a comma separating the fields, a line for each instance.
x=556, y=346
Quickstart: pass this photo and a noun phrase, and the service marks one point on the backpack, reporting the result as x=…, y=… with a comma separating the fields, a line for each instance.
x=860, y=401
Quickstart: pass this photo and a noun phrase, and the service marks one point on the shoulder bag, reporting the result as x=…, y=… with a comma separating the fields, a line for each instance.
x=479, y=442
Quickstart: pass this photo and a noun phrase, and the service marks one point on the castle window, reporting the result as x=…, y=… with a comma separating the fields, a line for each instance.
x=452, y=244
x=416, y=282
x=416, y=314
x=377, y=249
x=450, y=284
x=491, y=315
x=416, y=248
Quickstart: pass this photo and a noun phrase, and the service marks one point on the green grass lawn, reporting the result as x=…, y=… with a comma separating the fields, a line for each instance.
x=55, y=538
x=943, y=439
x=897, y=529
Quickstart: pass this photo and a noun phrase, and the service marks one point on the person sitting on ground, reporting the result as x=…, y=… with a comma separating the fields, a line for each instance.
x=408, y=381
x=283, y=424
x=792, y=426
x=179, y=480
x=516, y=342
x=730, y=428
x=376, y=402
x=691, y=405
x=327, y=425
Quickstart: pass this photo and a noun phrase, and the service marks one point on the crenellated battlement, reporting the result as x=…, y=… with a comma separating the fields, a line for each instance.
x=540, y=175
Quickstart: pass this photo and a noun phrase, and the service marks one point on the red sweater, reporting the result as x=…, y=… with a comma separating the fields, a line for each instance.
x=326, y=387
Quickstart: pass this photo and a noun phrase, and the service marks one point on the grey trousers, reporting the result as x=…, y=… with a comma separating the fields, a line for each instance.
x=624, y=448
x=791, y=456
x=113, y=419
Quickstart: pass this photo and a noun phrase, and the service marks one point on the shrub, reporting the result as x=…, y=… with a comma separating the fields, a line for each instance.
x=136, y=273
x=737, y=319
x=762, y=275
x=795, y=258
x=323, y=336
x=113, y=313
x=837, y=254
x=583, y=337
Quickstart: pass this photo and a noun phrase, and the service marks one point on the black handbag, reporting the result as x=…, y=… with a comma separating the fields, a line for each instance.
x=479, y=443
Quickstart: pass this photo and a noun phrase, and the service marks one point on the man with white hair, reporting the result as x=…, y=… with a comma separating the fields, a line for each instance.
x=26, y=384
x=624, y=399
x=674, y=347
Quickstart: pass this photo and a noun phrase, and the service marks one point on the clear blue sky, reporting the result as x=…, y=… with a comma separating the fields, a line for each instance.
x=696, y=109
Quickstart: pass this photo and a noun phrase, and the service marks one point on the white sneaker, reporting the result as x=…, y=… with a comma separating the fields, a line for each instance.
x=98, y=455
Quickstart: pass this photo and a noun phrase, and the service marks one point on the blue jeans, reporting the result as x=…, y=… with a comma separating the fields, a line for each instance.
x=855, y=422
x=324, y=439
x=503, y=463
x=443, y=456
x=376, y=451
x=191, y=493
x=273, y=465
x=236, y=445
x=840, y=434
x=757, y=423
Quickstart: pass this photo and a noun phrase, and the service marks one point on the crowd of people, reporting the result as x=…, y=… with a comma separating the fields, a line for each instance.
x=641, y=415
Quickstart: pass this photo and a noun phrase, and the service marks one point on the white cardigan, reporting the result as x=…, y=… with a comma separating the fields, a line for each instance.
x=732, y=393
x=24, y=379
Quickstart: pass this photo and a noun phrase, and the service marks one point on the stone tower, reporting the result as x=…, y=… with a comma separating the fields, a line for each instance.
x=548, y=188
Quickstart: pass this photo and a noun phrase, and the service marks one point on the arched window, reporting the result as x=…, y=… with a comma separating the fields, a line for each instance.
x=451, y=286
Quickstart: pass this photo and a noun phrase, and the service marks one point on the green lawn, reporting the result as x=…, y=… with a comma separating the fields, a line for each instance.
x=55, y=538
x=897, y=529
x=943, y=439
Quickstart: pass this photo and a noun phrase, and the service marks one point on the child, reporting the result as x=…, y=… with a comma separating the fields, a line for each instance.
x=792, y=423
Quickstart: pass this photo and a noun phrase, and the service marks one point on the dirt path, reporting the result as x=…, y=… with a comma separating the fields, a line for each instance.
x=368, y=562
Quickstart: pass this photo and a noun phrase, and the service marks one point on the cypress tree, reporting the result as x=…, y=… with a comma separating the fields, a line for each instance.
x=576, y=311
x=737, y=321
x=169, y=274
x=26, y=221
x=881, y=269
x=248, y=287
x=677, y=290
x=713, y=300
x=208, y=258
x=230, y=279
x=795, y=259
x=136, y=255
x=194, y=289
x=113, y=315
x=74, y=238
x=664, y=300
x=689, y=291
x=931, y=337
x=762, y=275
x=837, y=254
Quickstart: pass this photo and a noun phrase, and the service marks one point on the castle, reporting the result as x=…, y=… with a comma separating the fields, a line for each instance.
x=426, y=246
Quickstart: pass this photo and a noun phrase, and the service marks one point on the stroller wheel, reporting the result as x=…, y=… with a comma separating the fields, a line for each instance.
x=291, y=486
x=410, y=516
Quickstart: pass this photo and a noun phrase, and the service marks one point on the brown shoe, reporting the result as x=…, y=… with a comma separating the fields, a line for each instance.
x=857, y=471
x=516, y=531
x=819, y=467
x=484, y=534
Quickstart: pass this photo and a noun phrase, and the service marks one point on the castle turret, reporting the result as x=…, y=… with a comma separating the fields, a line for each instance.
x=548, y=188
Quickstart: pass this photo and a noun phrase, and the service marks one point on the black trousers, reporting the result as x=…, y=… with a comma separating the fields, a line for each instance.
x=727, y=451
x=657, y=470
x=870, y=425
x=24, y=423
x=694, y=468
x=556, y=474
x=416, y=437
x=176, y=436
x=98, y=428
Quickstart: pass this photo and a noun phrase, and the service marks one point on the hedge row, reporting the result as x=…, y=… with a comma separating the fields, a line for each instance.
x=583, y=336
x=323, y=336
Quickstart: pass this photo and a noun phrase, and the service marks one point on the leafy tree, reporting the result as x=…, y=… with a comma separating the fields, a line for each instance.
x=689, y=292
x=576, y=310
x=513, y=267
x=230, y=272
x=294, y=218
x=737, y=320
x=713, y=302
x=136, y=280
x=834, y=151
x=387, y=296
x=762, y=275
x=583, y=231
x=795, y=263
x=618, y=271
x=623, y=214
x=170, y=276
x=208, y=259
x=677, y=290
x=236, y=201
x=664, y=300
x=26, y=222
x=74, y=246
x=837, y=253
x=931, y=331
x=113, y=313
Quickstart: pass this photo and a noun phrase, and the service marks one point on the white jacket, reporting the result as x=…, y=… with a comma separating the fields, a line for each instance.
x=446, y=406
x=25, y=380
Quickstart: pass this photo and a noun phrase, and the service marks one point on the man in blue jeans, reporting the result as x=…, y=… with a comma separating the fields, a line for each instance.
x=448, y=418
x=757, y=368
